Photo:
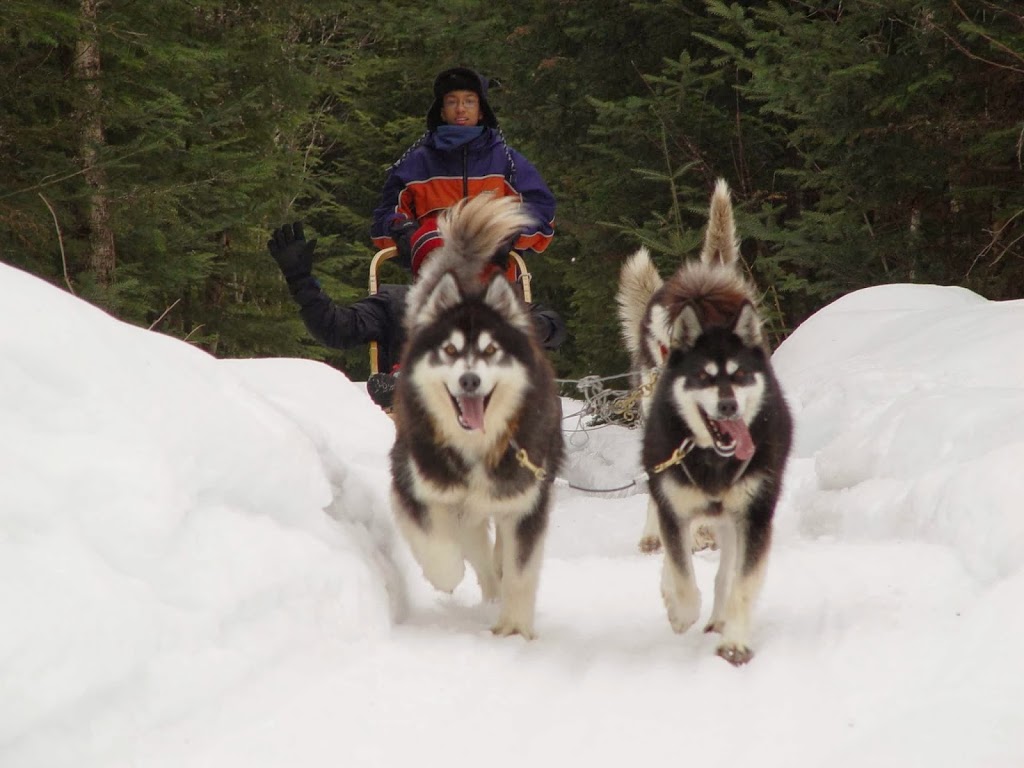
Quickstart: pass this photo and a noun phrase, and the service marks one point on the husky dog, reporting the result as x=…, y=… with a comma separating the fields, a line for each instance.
x=645, y=329
x=646, y=326
x=718, y=431
x=478, y=419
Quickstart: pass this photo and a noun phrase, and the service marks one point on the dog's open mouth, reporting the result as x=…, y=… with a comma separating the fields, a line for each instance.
x=731, y=437
x=470, y=410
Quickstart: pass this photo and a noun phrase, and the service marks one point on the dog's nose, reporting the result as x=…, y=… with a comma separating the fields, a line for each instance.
x=469, y=382
x=727, y=408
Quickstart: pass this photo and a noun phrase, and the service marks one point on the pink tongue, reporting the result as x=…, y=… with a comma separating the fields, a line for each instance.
x=472, y=409
x=737, y=429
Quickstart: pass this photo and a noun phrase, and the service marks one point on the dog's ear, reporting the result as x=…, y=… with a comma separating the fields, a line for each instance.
x=686, y=328
x=444, y=296
x=748, y=326
x=502, y=298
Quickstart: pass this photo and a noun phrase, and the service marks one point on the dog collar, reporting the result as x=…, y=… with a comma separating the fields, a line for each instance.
x=682, y=451
x=677, y=457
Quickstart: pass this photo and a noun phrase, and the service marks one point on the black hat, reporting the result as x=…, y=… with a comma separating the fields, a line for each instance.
x=460, y=79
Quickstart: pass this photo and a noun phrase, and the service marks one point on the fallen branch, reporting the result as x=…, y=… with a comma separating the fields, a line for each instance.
x=60, y=241
x=164, y=314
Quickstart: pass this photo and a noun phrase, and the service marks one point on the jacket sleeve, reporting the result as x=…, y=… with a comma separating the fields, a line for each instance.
x=541, y=203
x=386, y=211
x=334, y=325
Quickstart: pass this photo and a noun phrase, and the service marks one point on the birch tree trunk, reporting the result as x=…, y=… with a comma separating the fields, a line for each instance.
x=102, y=256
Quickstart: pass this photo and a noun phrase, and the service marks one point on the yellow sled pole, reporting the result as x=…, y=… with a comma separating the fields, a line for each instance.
x=378, y=258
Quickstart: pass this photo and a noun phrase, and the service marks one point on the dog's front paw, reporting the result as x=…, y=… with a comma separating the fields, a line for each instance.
x=506, y=627
x=737, y=655
x=649, y=544
x=444, y=569
x=681, y=613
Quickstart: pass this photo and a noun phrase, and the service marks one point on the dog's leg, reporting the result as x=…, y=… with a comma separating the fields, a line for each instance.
x=725, y=533
x=498, y=549
x=650, y=541
x=476, y=544
x=522, y=552
x=678, y=587
x=753, y=537
x=430, y=533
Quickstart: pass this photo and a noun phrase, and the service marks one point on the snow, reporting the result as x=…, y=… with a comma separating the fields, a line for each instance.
x=198, y=566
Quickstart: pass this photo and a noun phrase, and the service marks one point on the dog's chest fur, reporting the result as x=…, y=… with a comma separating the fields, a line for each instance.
x=711, y=485
x=481, y=478
x=477, y=493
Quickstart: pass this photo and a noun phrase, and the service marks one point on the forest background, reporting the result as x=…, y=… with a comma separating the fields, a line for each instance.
x=148, y=147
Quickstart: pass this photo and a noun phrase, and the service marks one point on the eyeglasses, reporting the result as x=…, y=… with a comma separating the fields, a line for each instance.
x=466, y=101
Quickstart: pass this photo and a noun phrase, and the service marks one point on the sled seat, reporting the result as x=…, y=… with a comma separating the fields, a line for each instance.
x=522, y=279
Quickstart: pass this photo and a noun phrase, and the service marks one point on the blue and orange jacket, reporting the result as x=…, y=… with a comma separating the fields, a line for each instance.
x=427, y=180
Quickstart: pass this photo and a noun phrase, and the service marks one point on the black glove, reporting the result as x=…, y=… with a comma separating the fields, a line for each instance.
x=549, y=325
x=292, y=253
x=401, y=233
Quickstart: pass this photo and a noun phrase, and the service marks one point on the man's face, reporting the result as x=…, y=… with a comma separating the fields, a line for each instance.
x=460, y=108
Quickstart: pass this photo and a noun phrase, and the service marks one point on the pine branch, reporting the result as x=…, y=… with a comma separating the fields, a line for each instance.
x=988, y=38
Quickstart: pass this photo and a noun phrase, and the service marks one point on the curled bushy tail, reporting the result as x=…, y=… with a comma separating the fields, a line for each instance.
x=472, y=230
x=720, y=244
x=638, y=280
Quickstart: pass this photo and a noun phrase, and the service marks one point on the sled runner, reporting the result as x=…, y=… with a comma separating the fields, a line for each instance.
x=522, y=278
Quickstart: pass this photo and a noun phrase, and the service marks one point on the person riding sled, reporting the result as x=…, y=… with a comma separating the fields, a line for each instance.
x=462, y=154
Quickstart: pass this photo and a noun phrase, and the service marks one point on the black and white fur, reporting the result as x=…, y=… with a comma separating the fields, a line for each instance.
x=717, y=398
x=478, y=420
x=646, y=314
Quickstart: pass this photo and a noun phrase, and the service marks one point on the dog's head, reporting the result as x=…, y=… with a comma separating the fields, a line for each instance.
x=718, y=377
x=469, y=356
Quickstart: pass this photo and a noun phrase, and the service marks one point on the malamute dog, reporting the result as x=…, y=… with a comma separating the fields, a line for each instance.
x=478, y=420
x=646, y=326
x=718, y=431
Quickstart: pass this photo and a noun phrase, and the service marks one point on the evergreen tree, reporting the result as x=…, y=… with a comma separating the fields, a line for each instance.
x=148, y=149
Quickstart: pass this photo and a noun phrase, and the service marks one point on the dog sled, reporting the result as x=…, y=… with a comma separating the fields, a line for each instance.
x=522, y=279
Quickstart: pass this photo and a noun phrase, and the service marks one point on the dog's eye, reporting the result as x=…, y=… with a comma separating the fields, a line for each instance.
x=450, y=350
x=488, y=351
x=743, y=376
x=703, y=378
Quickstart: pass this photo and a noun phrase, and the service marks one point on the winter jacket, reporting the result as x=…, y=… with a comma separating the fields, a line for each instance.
x=427, y=180
x=378, y=318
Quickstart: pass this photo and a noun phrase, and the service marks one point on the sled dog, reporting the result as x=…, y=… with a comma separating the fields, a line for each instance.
x=644, y=315
x=718, y=431
x=477, y=418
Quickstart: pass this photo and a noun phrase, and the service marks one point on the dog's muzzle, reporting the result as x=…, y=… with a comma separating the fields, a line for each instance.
x=731, y=436
x=470, y=405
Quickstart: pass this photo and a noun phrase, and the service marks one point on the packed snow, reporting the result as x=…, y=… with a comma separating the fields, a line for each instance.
x=198, y=566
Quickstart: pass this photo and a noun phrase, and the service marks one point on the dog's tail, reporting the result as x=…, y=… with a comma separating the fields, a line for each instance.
x=472, y=231
x=638, y=280
x=720, y=244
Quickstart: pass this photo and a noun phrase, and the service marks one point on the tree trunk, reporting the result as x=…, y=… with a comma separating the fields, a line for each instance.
x=102, y=258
